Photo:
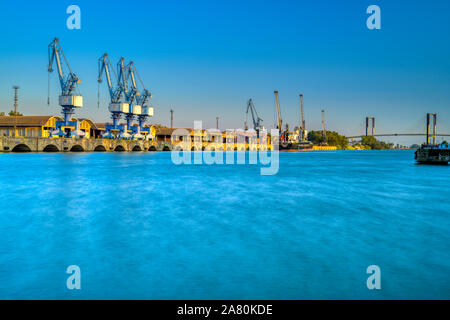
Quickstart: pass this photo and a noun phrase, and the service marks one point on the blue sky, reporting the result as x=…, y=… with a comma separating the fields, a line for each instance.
x=207, y=58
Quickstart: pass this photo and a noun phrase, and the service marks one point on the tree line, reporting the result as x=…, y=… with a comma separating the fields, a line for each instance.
x=335, y=139
x=12, y=113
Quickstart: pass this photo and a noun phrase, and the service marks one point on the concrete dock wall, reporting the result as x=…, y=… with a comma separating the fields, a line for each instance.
x=11, y=144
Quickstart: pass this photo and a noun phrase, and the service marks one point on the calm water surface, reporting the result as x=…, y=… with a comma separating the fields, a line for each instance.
x=141, y=227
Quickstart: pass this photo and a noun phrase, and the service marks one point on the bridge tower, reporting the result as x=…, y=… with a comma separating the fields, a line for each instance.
x=431, y=130
x=367, y=125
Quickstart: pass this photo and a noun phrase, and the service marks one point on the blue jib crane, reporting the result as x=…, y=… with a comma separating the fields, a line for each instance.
x=116, y=92
x=140, y=108
x=129, y=96
x=70, y=97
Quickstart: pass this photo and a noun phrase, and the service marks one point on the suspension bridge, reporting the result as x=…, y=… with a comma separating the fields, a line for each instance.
x=430, y=134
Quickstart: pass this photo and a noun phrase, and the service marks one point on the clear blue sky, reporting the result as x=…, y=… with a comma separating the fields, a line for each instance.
x=206, y=58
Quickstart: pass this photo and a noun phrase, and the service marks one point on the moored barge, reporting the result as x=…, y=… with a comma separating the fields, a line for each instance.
x=433, y=154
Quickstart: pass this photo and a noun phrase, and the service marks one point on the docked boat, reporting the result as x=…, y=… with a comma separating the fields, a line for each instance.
x=433, y=154
x=296, y=146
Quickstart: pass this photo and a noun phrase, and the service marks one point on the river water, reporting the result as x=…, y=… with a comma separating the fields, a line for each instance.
x=141, y=227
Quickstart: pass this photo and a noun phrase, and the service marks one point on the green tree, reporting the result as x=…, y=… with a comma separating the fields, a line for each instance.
x=333, y=139
x=371, y=143
x=315, y=137
x=12, y=113
x=2, y=114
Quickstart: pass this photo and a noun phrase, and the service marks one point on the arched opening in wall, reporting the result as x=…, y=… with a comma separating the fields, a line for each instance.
x=21, y=148
x=152, y=148
x=166, y=148
x=77, y=148
x=50, y=148
x=100, y=148
x=193, y=149
x=119, y=149
x=203, y=148
x=136, y=148
x=235, y=149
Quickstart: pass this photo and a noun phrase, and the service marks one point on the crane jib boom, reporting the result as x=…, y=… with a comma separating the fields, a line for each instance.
x=104, y=65
x=142, y=95
x=279, y=120
x=141, y=98
x=123, y=79
x=131, y=75
x=257, y=121
x=69, y=82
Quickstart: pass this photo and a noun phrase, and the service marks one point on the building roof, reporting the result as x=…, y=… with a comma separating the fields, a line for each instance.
x=100, y=126
x=25, y=121
x=165, y=131
x=91, y=123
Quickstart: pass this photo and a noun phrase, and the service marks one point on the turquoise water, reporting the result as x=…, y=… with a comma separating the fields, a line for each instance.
x=140, y=227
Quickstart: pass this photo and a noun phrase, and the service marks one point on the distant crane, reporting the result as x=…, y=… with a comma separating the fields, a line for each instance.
x=116, y=92
x=70, y=97
x=283, y=135
x=141, y=109
x=324, y=132
x=257, y=121
x=302, y=129
x=279, y=120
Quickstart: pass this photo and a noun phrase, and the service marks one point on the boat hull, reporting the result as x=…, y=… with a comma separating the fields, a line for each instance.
x=432, y=155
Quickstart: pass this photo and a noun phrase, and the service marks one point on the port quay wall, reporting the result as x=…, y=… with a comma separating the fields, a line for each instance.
x=39, y=144
x=24, y=144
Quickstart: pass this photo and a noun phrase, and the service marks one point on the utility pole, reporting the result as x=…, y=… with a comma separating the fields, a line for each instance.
x=171, y=119
x=217, y=123
x=16, y=99
x=323, y=127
